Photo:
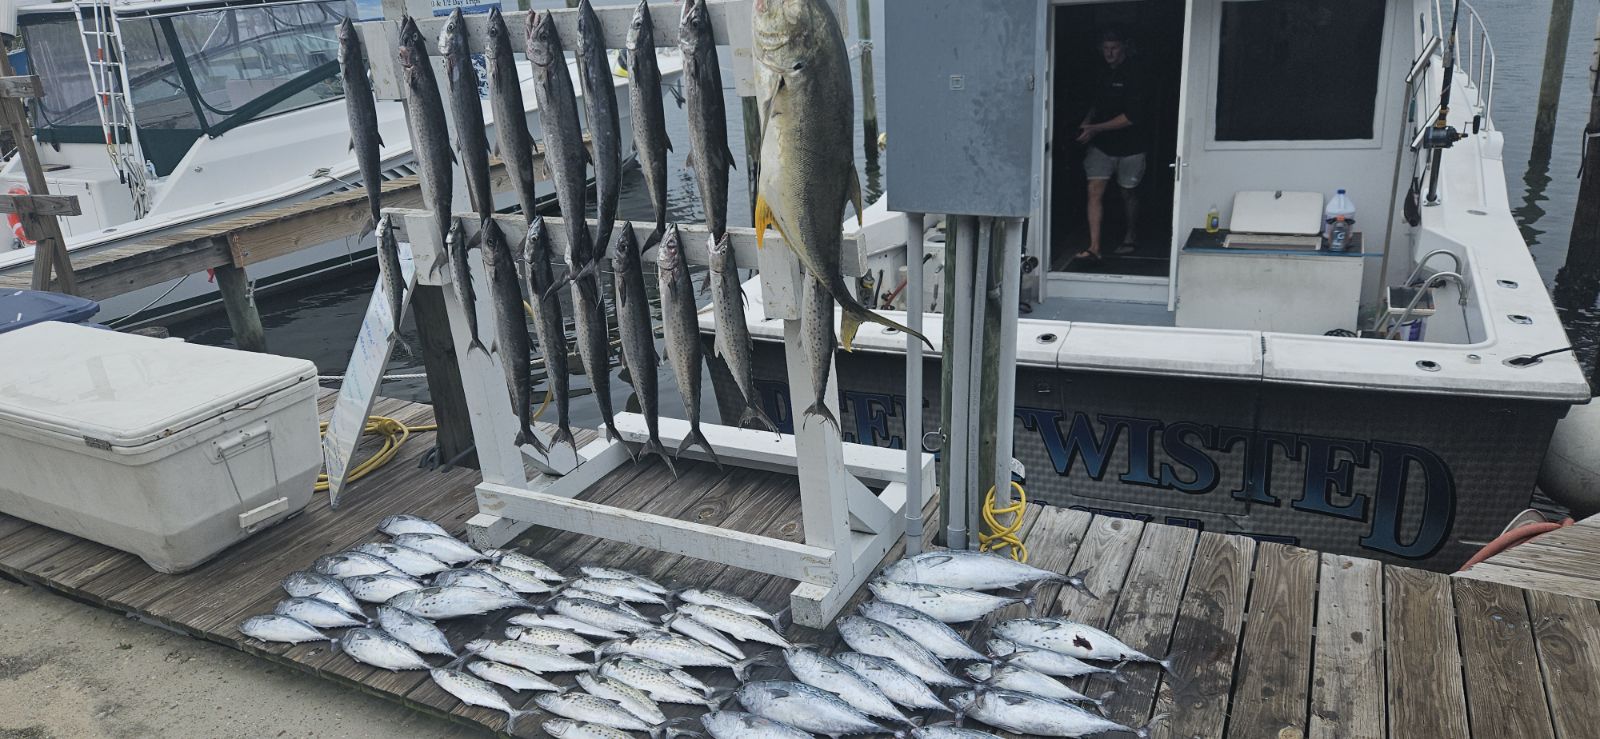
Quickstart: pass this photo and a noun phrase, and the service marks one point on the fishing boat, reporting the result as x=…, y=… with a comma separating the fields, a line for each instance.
x=164, y=115
x=1392, y=399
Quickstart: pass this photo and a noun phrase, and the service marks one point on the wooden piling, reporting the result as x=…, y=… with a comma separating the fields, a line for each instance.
x=51, y=249
x=240, y=305
x=752, y=146
x=1555, y=57
x=446, y=394
x=869, y=88
x=1583, y=249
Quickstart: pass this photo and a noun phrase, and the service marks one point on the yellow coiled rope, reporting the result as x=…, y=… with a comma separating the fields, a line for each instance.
x=1004, y=535
x=394, y=434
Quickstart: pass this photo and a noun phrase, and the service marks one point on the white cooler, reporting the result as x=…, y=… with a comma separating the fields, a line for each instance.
x=170, y=451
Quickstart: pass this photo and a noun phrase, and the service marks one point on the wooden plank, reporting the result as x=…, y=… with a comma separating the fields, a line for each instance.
x=44, y=205
x=1578, y=586
x=1425, y=693
x=1500, y=665
x=1146, y=612
x=1054, y=536
x=1270, y=690
x=23, y=86
x=1567, y=635
x=1103, y=561
x=1347, y=678
x=1206, y=638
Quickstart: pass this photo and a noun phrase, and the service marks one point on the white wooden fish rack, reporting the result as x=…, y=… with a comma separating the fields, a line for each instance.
x=848, y=527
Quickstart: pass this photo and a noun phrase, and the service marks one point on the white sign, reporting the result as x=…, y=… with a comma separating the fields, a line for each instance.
x=468, y=7
x=362, y=378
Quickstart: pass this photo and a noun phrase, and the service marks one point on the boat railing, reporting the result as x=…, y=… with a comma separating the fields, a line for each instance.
x=1474, y=49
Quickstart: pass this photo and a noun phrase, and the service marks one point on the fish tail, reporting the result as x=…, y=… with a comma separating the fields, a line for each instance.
x=718, y=697
x=526, y=436
x=696, y=437
x=563, y=435
x=553, y=291
x=654, y=237
x=820, y=410
x=754, y=414
x=654, y=446
x=741, y=669
x=856, y=314
x=477, y=343
x=1077, y=582
x=1143, y=732
x=763, y=218
x=1101, y=701
x=778, y=619
x=513, y=716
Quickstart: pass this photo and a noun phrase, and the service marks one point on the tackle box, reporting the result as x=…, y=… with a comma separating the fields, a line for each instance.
x=167, y=450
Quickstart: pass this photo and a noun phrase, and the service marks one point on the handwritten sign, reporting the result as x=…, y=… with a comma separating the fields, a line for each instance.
x=362, y=378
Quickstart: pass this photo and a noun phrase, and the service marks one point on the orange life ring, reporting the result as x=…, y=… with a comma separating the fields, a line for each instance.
x=16, y=220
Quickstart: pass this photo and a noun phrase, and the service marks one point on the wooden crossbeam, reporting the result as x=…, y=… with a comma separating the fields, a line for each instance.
x=21, y=87
x=43, y=205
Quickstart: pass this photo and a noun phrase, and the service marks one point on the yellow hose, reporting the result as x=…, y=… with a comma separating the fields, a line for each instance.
x=1004, y=535
x=394, y=434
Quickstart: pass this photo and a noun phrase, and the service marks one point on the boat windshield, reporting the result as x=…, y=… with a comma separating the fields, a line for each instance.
x=199, y=72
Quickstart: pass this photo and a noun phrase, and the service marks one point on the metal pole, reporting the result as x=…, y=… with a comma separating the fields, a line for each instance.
x=1583, y=248
x=1006, y=369
x=913, y=412
x=957, y=354
x=974, y=350
x=1555, y=57
x=869, y=90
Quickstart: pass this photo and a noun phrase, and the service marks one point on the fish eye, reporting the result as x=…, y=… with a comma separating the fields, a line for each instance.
x=799, y=66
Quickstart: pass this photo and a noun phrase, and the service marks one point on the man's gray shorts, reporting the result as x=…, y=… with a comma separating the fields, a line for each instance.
x=1098, y=165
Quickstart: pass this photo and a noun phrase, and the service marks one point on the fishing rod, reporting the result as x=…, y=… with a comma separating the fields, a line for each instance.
x=1441, y=135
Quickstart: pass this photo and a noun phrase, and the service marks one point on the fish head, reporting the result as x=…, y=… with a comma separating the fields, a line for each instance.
x=721, y=251
x=453, y=33
x=499, y=35
x=642, y=29
x=902, y=570
x=544, y=45
x=477, y=645
x=790, y=33
x=349, y=42
x=670, y=257
x=590, y=32
x=963, y=700
x=537, y=243
x=625, y=256
x=385, y=228
x=694, y=33
x=456, y=236
x=413, y=48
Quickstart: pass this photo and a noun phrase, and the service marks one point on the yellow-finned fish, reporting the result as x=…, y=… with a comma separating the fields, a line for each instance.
x=806, y=168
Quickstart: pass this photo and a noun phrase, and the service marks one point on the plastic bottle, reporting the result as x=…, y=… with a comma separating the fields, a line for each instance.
x=1339, y=234
x=1213, y=219
x=1339, y=205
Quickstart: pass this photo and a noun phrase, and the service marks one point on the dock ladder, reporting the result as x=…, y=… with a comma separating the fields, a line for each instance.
x=101, y=34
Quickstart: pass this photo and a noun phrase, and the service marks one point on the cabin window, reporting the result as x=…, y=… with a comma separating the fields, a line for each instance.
x=1298, y=70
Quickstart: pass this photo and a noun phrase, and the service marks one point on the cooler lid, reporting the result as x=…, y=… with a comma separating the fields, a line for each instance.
x=128, y=390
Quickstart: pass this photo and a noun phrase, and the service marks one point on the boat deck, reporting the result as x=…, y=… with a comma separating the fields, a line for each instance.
x=1266, y=640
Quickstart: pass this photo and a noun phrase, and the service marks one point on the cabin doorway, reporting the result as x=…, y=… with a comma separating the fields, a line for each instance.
x=1151, y=37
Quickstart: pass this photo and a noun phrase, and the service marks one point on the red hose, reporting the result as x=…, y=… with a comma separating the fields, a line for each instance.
x=1512, y=538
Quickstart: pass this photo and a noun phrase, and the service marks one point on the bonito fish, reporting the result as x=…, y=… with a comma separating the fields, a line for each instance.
x=318, y=613
x=305, y=584
x=820, y=671
x=362, y=109
x=426, y=118
x=510, y=115
x=638, y=337
x=950, y=605
x=276, y=627
x=1072, y=639
x=900, y=686
x=453, y=601
x=806, y=171
x=351, y=564
x=381, y=587
x=475, y=692
x=407, y=524
x=683, y=334
x=733, y=333
x=928, y=631
x=973, y=570
x=605, y=130
x=709, y=156
x=511, y=329
x=418, y=633
x=1044, y=660
x=472, y=141
x=1036, y=716
x=741, y=725
x=881, y=640
x=807, y=708
x=1024, y=680
x=376, y=648
x=649, y=117
x=548, y=327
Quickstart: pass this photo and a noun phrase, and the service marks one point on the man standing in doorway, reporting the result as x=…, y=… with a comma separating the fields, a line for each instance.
x=1113, y=135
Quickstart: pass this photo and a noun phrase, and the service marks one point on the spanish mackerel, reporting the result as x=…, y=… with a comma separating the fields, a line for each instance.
x=539, y=276
x=948, y=730
x=926, y=630
x=638, y=337
x=392, y=275
x=617, y=588
x=376, y=648
x=821, y=671
x=807, y=708
x=1030, y=714
x=456, y=251
x=565, y=728
x=447, y=549
x=741, y=725
x=306, y=584
x=1072, y=639
x=632, y=700
x=733, y=333
x=682, y=328
x=878, y=639
x=425, y=117
x=571, y=591
x=737, y=625
x=605, y=128
x=528, y=656
x=703, y=633
x=720, y=599
x=510, y=329
x=453, y=601
x=276, y=627
x=679, y=652
x=472, y=141
x=318, y=613
x=676, y=673
x=649, y=117
x=709, y=155
x=475, y=692
x=591, y=709
x=555, y=621
x=351, y=564
x=973, y=570
x=418, y=633
x=381, y=587
x=807, y=171
x=362, y=109
x=900, y=686
x=612, y=573
x=561, y=640
x=515, y=678
x=519, y=561
x=600, y=615
x=659, y=684
x=473, y=578
x=950, y=605
x=402, y=523
x=510, y=114
x=816, y=345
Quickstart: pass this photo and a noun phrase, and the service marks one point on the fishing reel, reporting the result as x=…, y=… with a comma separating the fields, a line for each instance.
x=1440, y=137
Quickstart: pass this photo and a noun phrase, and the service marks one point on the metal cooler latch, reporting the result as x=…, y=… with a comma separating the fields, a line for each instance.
x=242, y=440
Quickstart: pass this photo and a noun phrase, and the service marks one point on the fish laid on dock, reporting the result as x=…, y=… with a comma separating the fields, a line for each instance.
x=741, y=725
x=362, y=109
x=557, y=621
x=510, y=116
x=881, y=640
x=612, y=573
x=564, y=728
x=565, y=641
x=950, y=605
x=475, y=692
x=700, y=632
x=468, y=577
x=806, y=708
x=821, y=671
x=680, y=652
x=447, y=549
x=732, y=341
x=418, y=633
x=1072, y=639
x=657, y=683
x=973, y=570
x=520, y=561
x=453, y=602
x=638, y=338
x=632, y=700
x=472, y=143
x=720, y=599
x=1043, y=660
x=515, y=678
x=1037, y=716
x=306, y=584
x=648, y=115
x=379, y=649
x=276, y=627
x=528, y=656
x=898, y=685
x=425, y=117
x=682, y=329
x=928, y=631
x=948, y=730
x=605, y=127
x=413, y=562
x=539, y=276
x=590, y=709
x=1024, y=680
x=318, y=613
x=737, y=625
x=520, y=582
x=407, y=524
x=351, y=564
x=379, y=588
x=709, y=156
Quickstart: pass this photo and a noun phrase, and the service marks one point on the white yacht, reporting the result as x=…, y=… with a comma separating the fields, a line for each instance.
x=1391, y=400
x=161, y=115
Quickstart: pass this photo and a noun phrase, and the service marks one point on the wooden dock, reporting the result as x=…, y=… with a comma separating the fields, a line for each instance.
x=1562, y=561
x=1266, y=640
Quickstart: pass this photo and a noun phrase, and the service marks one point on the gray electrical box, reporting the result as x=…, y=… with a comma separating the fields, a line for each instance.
x=965, y=88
